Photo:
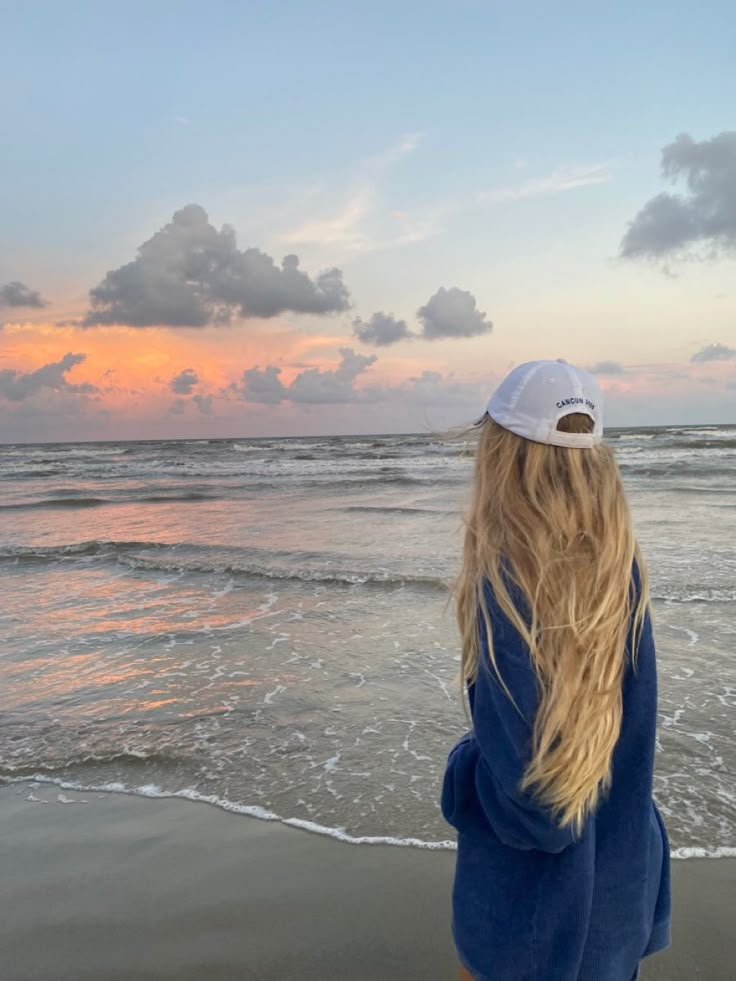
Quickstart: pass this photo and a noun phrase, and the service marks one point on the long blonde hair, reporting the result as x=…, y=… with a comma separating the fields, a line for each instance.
x=554, y=522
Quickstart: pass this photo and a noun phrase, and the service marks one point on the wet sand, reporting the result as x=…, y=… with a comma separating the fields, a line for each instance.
x=130, y=888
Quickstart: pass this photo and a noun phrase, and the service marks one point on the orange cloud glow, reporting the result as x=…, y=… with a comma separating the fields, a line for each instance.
x=128, y=363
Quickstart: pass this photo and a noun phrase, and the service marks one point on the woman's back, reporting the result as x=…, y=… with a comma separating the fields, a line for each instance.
x=532, y=900
x=562, y=867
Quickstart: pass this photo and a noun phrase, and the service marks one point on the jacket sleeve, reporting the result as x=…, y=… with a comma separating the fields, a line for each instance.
x=481, y=784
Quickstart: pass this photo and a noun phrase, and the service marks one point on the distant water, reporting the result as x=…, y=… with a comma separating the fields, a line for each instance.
x=262, y=623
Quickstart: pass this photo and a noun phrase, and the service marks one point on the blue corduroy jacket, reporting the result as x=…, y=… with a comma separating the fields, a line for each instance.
x=531, y=902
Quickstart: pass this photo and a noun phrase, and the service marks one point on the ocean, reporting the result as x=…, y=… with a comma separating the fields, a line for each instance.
x=262, y=624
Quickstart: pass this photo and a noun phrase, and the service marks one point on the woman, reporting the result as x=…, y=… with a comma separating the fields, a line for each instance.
x=562, y=869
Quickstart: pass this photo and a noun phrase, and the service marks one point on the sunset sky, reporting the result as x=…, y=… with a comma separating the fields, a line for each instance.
x=287, y=218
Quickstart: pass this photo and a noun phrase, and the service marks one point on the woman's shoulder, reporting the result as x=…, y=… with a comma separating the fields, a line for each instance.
x=500, y=618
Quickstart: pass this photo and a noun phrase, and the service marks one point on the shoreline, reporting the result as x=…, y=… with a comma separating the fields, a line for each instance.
x=255, y=812
x=128, y=887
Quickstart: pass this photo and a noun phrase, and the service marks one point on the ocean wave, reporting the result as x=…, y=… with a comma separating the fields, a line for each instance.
x=377, y=509
x=723, y=490
x=624, y=436
x=55, y=552
x=706, y=444
x=31, y=771
x=256, y=461
x=702, y=595
x=716, y=431
x=133, y=498
x=672, y=470
x=260, y=813
x=166, y=498
x=57, y=452
x=247, y=810
x=265, y=475
x=56, y=502
x=89, y=449
x=724, y=851
x=154, y=559
x=362, y=479
x=187, y=558
x=8, y=473
x=257, y=570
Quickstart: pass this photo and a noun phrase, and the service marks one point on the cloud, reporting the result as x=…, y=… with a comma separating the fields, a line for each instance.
x=564, y=179
x=381, y=330
x=184, y=382
x=362, y=224
x=342, y=228
x=669, y=224
x=313, y=385
x=317, y=386
x=17, y=294
x=262, y=385
x=382, y=161
x=203, y=403
x=429, y=388
x=607, y=368
x=452, y=313
x=190, y=275
x=359, y=220
x=16, y=386
x=714, y=352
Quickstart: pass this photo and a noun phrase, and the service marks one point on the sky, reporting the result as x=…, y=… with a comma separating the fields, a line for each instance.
x=290, y=218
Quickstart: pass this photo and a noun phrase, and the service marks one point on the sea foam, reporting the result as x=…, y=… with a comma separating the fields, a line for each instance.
x=262, y=814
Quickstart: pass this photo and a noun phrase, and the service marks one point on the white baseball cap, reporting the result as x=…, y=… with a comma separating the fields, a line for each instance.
x=535, y=395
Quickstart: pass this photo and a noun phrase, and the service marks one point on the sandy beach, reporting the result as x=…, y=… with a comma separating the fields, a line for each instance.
x=125, y=887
